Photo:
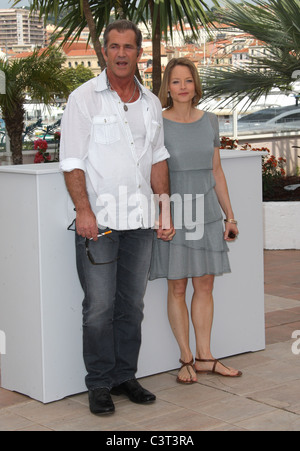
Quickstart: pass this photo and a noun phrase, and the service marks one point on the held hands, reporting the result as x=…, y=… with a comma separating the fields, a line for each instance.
x=87, y=227
x=165, y=230
x=166, y=234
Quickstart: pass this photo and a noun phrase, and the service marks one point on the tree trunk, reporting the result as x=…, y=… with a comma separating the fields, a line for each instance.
x=14, y=122
x=93, y=31
x=156, y=40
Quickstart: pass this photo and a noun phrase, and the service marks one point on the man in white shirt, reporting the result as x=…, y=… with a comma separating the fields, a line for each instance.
x=114, y=159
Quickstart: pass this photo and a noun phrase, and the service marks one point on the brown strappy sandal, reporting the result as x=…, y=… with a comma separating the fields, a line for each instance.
x=187, y=365
x=215, y=362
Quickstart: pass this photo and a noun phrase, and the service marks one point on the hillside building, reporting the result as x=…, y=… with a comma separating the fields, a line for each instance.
x=20, y=31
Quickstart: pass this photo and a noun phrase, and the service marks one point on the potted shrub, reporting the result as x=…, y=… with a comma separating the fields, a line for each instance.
x=281, y=196
x=281, y=205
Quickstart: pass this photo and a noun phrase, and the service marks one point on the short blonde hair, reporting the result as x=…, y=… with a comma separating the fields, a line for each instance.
x=163, y=95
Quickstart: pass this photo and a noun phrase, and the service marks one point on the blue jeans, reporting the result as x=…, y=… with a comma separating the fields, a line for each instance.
x=113, y=304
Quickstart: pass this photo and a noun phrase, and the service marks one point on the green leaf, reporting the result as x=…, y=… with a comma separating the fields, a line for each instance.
x=277, y=24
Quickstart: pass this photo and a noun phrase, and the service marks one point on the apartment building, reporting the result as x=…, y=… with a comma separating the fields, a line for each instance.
x=21, y=31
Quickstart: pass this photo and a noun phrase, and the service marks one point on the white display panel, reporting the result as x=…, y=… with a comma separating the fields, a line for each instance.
x=41, y=298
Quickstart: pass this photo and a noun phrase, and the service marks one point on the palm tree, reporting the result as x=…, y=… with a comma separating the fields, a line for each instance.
x=38, y=76
x=164, y=14
x=93, y=31
x=74, y=15
x=276, y=23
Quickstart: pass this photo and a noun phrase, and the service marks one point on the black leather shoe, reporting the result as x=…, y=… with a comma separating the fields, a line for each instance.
x=135, y=392
x=101, y=402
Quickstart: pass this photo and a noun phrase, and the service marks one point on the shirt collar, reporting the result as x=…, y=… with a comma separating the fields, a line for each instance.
x=101, y=84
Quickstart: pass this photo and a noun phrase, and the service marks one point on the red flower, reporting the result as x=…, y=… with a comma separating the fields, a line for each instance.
x=38, y=158
x=40, y=144
x=42, y=156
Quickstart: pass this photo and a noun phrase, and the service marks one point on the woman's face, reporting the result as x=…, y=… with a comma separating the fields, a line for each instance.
x=182, y=86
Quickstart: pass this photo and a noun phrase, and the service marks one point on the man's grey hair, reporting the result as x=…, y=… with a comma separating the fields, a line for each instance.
x=121, y=26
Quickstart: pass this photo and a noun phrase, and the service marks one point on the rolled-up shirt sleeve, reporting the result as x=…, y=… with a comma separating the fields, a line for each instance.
x=75, y=137
x=160, y=153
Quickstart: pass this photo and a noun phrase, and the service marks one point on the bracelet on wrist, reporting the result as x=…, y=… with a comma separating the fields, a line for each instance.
x=231, y=221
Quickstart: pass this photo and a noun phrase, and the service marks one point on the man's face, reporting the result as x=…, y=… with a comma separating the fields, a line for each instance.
x=122, y=54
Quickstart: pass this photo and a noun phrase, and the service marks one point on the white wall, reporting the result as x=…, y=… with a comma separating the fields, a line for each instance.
x=281, y=225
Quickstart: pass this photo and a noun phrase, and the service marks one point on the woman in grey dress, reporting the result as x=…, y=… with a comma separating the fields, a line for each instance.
x=197, y=179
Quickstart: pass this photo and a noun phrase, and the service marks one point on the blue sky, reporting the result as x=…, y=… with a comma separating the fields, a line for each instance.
x=8, y=4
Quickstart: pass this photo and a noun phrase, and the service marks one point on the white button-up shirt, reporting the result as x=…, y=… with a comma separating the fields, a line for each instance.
x=96, y=138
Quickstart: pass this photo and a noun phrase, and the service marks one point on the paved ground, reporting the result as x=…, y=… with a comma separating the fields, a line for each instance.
x=266, y=398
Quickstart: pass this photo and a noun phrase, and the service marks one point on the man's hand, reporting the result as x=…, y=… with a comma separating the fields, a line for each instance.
x=86, y=224
x=166, y=234
x=160, y=185
x=165, y=230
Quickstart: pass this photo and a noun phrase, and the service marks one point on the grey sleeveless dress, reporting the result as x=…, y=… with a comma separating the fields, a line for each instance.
x=191, y=147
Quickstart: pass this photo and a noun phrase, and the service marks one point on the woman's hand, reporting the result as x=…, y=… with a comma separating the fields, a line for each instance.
x=231, y=231
x=165, y=230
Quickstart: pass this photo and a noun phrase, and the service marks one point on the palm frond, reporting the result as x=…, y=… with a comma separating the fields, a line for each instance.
x=234, y=84
x=171, y=12
x=39, y=75
x=277, y=24
x=69, y=17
